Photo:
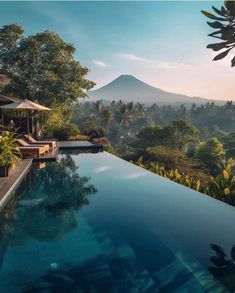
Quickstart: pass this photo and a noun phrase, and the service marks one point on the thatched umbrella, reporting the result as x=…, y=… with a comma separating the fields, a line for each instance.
x=26, y=105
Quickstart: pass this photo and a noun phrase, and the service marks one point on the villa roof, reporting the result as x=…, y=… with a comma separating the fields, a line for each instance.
x=25, y=105
x=6, y=100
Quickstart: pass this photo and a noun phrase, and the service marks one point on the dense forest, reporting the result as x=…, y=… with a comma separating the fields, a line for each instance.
x=190, y=145
x=123, y=122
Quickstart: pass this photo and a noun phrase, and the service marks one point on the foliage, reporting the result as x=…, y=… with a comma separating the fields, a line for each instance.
x=66, y=131
x=9, y=150
x=222, y=186
x=96, y=111
x=96, y=133
x=47, y=121
x=124, y=113
x=149, y=135
x=41, y=67
x=174, y=159
x=177, y=135
x=211, y=152
x=224, y=25
x=229, y=144
x=168, y=144
x=183, y=133
x=88, y=126
x=106, y=118
x=207, y=118
x=108, y=148
x=174, y=175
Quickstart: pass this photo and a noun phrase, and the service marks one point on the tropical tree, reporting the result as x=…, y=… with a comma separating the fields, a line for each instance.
x=211, y=153
x=182, y=133
x=106, y=118
x=97, y=110
x=224, y=25
x=139, y=110
x=229, y=144
x=149, y=135
x=41, y=67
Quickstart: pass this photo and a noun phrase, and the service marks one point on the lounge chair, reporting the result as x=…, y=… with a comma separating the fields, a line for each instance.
x=30, y=152
x=33, y=141
x=23, y=143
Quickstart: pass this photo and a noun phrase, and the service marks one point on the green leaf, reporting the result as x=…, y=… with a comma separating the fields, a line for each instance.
x=228, y=34
x=215, y=24
x=215, y=33
x=220, y=12
x=224, y=11
x=221, y=55
x=233, y=62
x=217, y=46
x=212, y=16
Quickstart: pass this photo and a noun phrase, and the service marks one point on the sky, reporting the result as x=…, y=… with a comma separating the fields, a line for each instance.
x=162, y=43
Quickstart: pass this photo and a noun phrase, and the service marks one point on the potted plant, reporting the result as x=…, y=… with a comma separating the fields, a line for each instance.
x=10, y=154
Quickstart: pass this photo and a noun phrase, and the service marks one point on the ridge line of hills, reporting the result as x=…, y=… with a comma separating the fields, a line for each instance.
x=130, y=89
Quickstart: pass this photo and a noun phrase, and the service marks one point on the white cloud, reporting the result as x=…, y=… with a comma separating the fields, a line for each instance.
x=152, y=62
x=197, y=76
x=99, y=63
x=131, y=57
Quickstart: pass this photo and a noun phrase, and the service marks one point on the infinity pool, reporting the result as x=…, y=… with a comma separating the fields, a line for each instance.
x=95, y=223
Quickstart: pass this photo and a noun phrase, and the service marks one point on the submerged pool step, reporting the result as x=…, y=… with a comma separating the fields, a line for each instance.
x=124, y=265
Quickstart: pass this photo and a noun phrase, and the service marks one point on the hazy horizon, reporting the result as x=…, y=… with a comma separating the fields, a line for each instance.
x=161, y=43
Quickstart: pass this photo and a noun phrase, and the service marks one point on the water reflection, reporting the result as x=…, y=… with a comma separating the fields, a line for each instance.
x=92, y=276
x=9, y=212
x=223, y=266
x=47, y=210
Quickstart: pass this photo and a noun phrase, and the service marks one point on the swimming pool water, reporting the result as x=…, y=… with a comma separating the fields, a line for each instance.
x=95, y=223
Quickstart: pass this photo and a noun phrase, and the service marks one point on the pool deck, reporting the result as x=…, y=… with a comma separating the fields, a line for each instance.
x=8, y=184
x=48, y=157
x=69, y=145
x=78, y=145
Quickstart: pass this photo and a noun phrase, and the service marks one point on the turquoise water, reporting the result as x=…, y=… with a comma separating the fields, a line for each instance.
x=95, y=223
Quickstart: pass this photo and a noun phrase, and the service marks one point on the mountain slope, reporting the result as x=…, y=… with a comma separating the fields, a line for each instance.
x=128, y=88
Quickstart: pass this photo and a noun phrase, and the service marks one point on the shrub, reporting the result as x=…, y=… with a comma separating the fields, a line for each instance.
x=222, y=186
x=173, y=174
x=66, y=131
x=9, y=150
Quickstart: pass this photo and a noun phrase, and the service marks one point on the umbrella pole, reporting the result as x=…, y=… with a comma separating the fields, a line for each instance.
x=2, y=119
x=28, y=122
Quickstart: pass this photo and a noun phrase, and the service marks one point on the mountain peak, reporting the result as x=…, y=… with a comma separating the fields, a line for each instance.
x=126, y=76
x=128, y=88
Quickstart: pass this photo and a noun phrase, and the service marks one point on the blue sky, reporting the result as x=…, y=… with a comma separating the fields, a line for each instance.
x=162, y=43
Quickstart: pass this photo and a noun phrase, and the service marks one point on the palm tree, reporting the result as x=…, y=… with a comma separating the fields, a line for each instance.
x=124, y=115
x=106, y=117
x=96, y=110
x=140, y=110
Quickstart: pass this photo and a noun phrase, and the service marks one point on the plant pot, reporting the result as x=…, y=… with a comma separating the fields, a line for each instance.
x=6, y=171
